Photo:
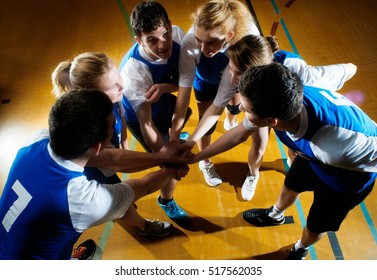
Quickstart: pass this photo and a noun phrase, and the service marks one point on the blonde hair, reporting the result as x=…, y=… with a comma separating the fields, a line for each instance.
x=83, y=72
x=252, y=51
x=228, y=15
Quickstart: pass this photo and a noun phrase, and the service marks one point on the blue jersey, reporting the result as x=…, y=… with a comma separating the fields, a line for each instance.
x=94, y=173
x=281, y=55
x=34, y=208
x=161, y=73
x=338, y=139
x=116, y=138
x=47, y=203
x=209, y=72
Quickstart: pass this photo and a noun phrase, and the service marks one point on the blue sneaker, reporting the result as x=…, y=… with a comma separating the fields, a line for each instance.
x=174, y=212
x=184, y=136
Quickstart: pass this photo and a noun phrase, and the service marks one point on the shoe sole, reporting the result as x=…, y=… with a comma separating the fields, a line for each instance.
x=259, y=223
x=155, y=235
x=247, y=198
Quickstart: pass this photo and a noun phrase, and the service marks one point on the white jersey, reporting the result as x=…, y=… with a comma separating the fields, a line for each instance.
x=47, y=203
x=137, y=77
x=331, y=77
x=338, y=139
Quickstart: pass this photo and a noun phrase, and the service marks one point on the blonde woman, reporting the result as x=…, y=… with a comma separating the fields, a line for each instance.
x=93, y=70
x=203, y=61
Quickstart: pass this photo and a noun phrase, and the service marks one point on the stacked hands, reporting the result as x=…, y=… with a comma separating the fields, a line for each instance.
x=177, y=154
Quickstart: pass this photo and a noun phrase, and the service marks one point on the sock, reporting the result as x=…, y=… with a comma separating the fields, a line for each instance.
x=205, y=163
x=298, y=245
x=163, y=200
x=276, y=213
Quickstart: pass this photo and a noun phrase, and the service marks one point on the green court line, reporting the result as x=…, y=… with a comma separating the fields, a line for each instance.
x=126, y=18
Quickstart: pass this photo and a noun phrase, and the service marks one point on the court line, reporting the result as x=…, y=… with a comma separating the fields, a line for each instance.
x=369, y=221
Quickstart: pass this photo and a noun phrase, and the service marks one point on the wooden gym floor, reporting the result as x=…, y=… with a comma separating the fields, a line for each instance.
x=36, y=35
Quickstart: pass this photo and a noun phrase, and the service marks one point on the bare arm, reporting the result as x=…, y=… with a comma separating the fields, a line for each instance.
x=120, y=160
x=226, y=142
x=151, y=135
x=209, y=118
x=180, y=110
x=155, y=92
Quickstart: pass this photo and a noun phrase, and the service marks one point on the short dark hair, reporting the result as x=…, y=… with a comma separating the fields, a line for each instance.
x=273, y=91
x=77, y=121
x=147, y=16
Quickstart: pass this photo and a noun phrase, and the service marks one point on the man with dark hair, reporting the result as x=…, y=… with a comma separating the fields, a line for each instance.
x=150, y=74
x=47, y=201
x=335, y=142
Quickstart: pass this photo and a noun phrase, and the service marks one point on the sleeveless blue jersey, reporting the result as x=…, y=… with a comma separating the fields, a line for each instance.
x=115, y=139
x=36, y=222
x=281, y=55
x=93, y=173
x=209, y=72
x=161, y=73
x=338, y=139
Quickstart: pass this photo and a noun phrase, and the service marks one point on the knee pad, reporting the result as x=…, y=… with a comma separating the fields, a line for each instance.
x=233, y=109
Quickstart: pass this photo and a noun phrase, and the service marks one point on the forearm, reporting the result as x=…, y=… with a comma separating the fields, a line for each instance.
x=120, y=160
x=209, y=118
x=226, y=142
x=180, y=110
x=152, y=137
x=168, y=88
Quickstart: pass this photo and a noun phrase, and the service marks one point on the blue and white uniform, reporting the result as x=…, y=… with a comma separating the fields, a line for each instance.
x=47, y=203
x=140, y=72
x=102, y=175
x=202, y=73
x=331, y=77
x=341, y=147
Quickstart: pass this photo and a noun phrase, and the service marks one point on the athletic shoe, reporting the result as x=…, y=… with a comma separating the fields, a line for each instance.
x=299, y=254
x=85, y=251
x=210, y=175
x=248, y=187
x=229, y=125
x=260, y=218
x=156, y=229
x=173, y=211
x=184, y=136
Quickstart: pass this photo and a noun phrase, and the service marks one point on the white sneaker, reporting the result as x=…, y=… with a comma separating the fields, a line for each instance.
x=229, y=125
x=210, y=175
x=248, y=187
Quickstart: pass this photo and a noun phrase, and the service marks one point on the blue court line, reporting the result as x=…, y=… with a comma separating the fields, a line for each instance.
x=132, y=146
x=277, y=11
x=369, y=221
